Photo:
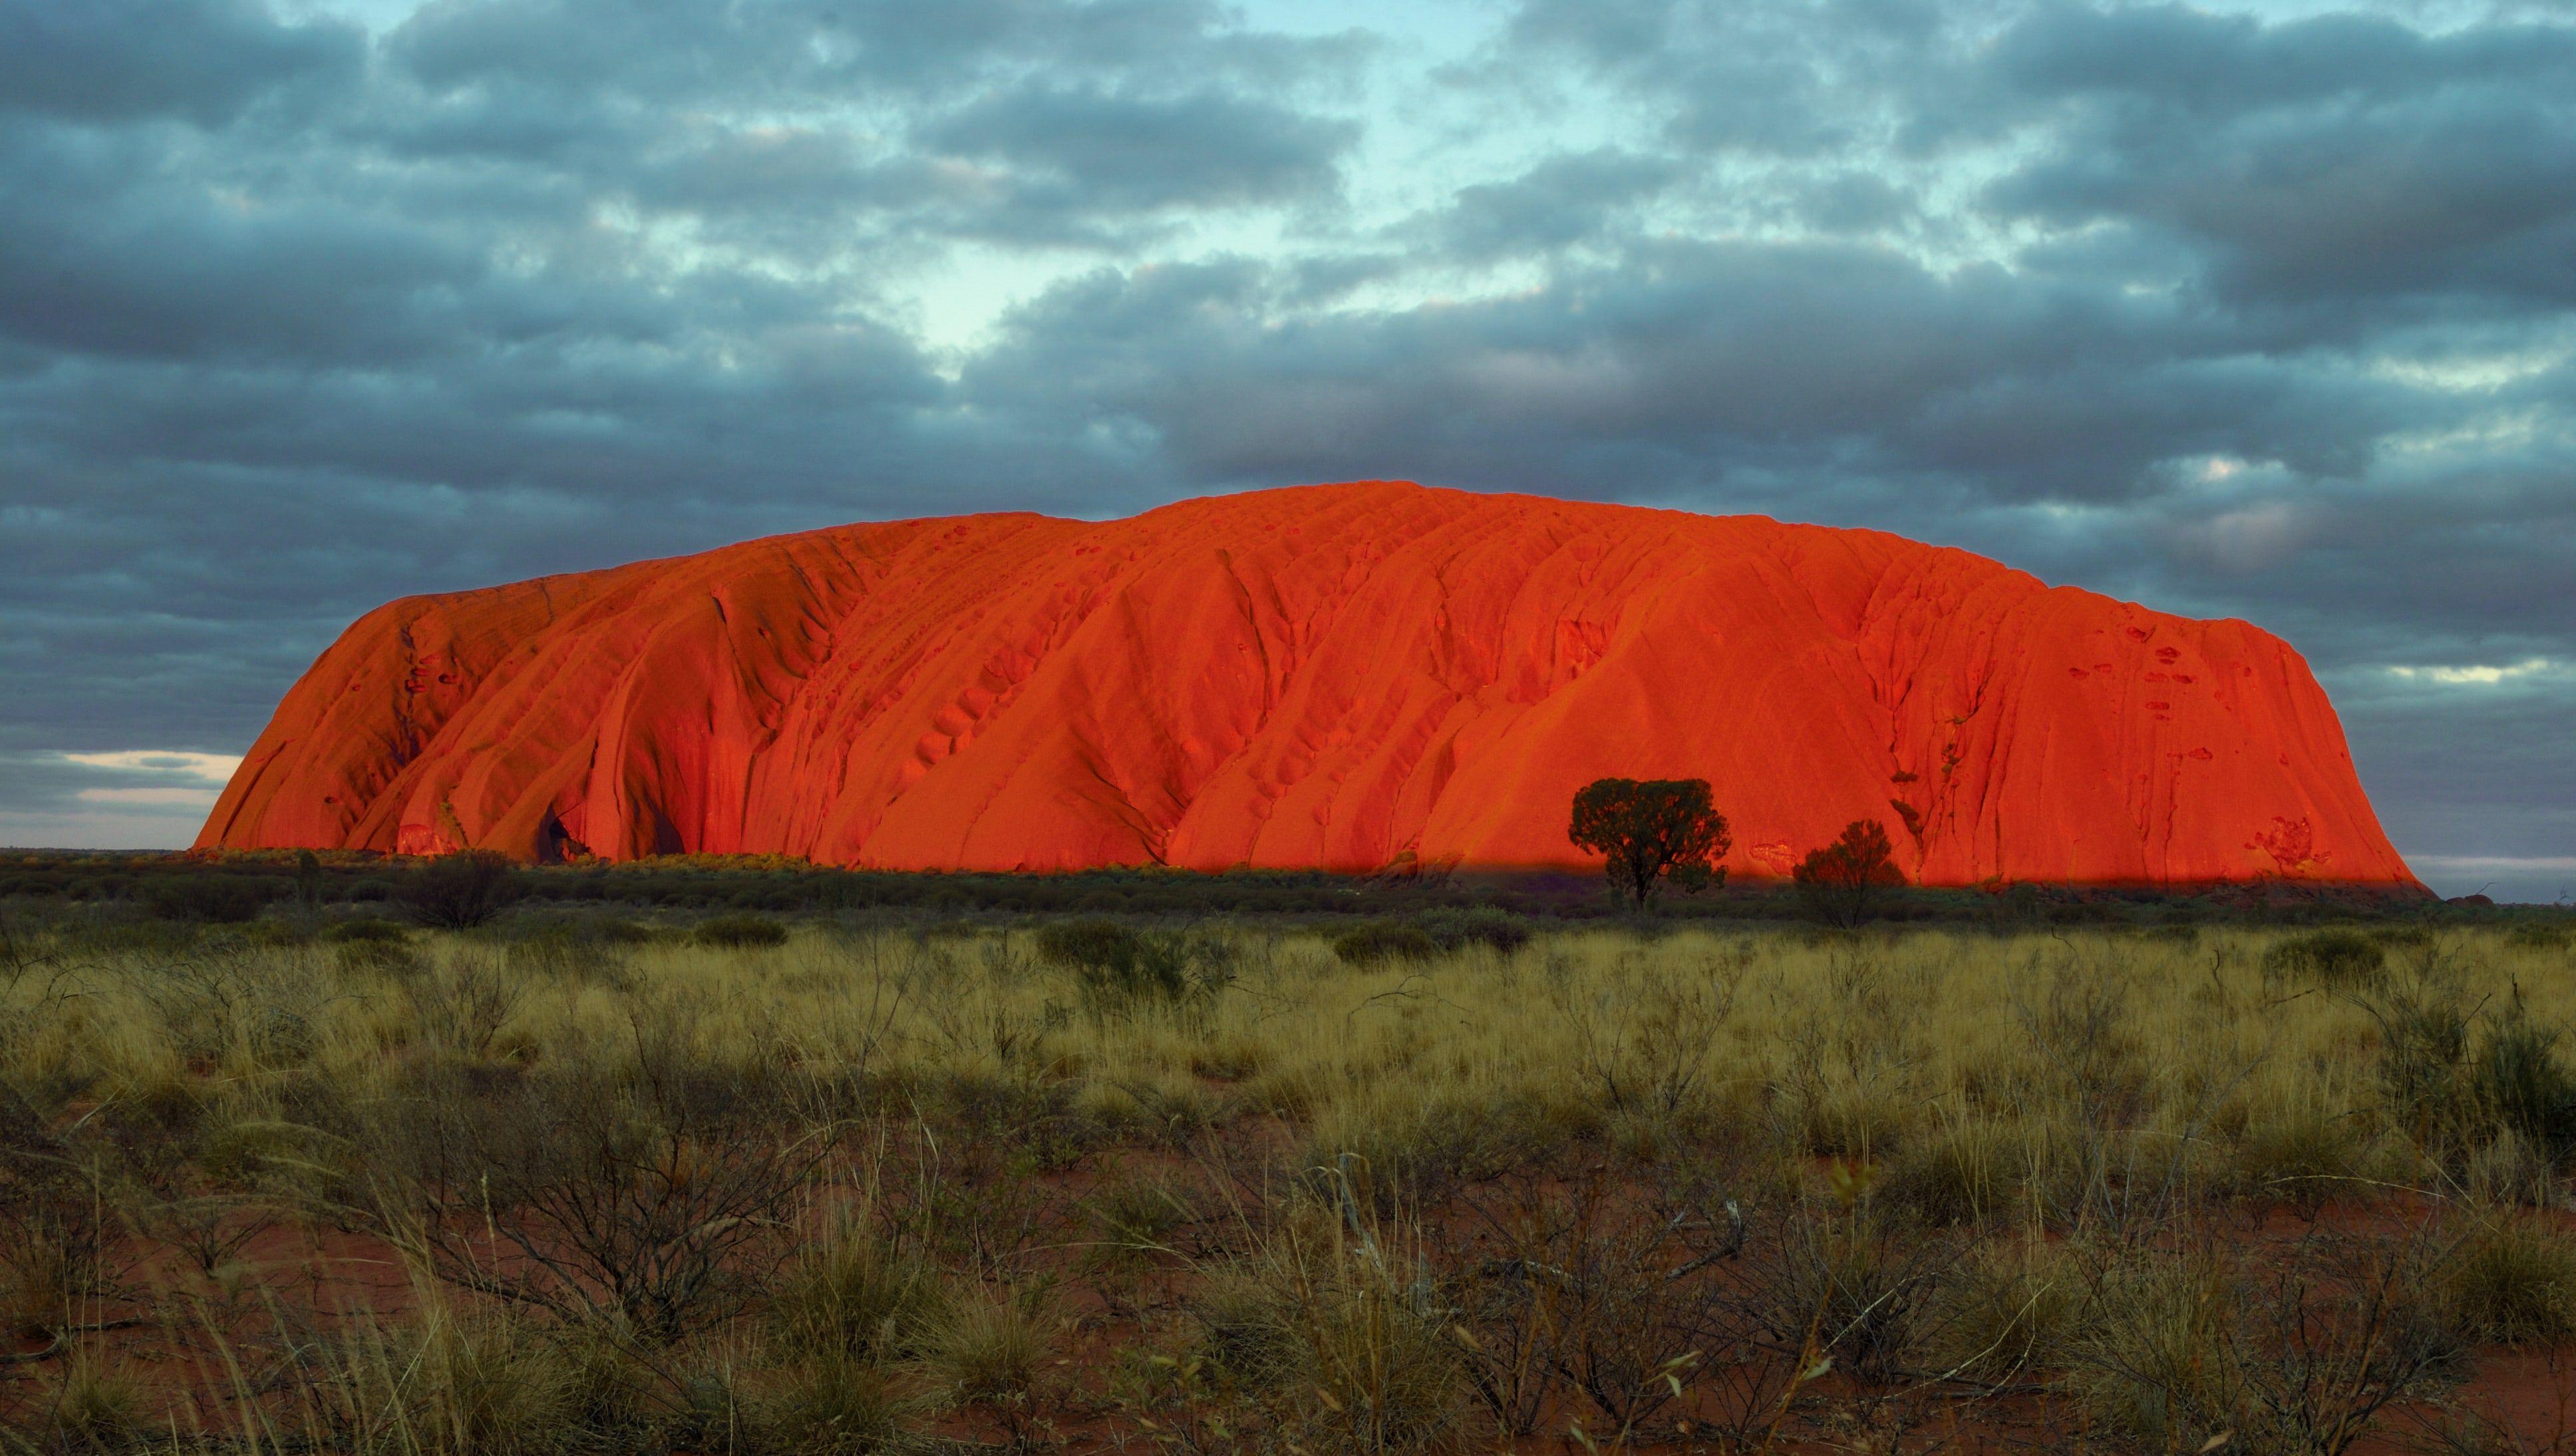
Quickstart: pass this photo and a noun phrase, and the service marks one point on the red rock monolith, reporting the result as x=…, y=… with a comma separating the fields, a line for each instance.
x=1349, y=677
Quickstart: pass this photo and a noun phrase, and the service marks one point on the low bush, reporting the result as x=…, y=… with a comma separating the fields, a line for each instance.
x=95, y=1408
x=392, y=958
x=1381, y=941
x=367, y=930
x=853, y=1295
x=463, y=890
x=578, y=948
x=739, y=932
x=1870, y=1285
x=985, y=1352
x=213, y=899
x=2514, y=1281
x=1498, y=930
x=838, y=1407
x=1092, y=943
x=2423, y=1068
x=1966, y=1172
x=2540, y=935
x=1341, y=1338
x=1118, y=965
x=2162, y=1354
x=2301, y=1156
x=1139, y=1215
x=275, y=934
x=493, y=1383
x=653, y=1196
x=2010, y=1309
x=146, y=937
x=2524, y=1085
x=2339, y=958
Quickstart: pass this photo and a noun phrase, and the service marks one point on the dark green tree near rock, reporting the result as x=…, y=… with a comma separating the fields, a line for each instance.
x=1650, y=830
x=462, y=890
x=1844, y=881
x=308, y=881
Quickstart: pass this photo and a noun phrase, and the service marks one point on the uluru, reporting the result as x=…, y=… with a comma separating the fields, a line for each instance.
x=1356, y=677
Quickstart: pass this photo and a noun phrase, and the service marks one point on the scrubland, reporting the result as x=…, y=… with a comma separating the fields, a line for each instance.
x=594, y=1184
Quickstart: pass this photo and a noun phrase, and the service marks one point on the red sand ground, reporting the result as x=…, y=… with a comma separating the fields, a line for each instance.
x=1350, y=677
x=2514, y=1400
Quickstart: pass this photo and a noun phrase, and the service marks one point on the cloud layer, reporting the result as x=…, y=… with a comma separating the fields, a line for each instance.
x=2269, y=314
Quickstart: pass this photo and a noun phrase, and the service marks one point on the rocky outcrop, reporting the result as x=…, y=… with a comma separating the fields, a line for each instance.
x=1351, y=677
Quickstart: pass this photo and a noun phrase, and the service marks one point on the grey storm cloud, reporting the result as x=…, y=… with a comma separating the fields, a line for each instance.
x=301, y=308
x=1779, y=78
x=799, y=49
x=131, y=60
x=2320, y=161
x=1734, y=354
x=1560, y=202
x=1115, y=152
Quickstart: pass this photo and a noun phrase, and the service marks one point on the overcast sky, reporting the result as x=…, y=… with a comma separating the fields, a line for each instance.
x=2263, y=312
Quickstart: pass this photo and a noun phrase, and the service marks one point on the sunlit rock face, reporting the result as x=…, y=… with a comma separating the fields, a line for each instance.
x=1351, y=677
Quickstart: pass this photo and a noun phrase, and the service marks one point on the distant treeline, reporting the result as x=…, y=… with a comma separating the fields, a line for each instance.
x=245, y=886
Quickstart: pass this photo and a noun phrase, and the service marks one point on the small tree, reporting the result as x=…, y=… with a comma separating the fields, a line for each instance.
x=462, y=890
x=1651, y=829
x=308, y=881
x=1843, y=881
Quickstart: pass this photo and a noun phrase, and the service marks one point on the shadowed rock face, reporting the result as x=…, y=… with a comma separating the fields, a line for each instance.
x=1346, y=677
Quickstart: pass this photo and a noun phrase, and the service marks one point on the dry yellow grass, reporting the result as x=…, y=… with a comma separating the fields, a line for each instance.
x=1993, y=1051
x=1999, y=1128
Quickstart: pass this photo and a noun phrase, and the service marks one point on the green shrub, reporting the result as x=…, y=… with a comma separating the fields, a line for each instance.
x=212, y=899
x=1963, y=1173
x=493, y=1383
x=2539, y=935
x=2161, y=1356
x=852, y=1294
x=275, y=934
x=2008, y=1308
x=1484, y=925
x=2342, y=958
x=371, y=944
x=1339, y=1338
x=1076, y=944
x=94, y=1408
x=578, y=947
x=2525, y=1086
x=152, y=937
x=837, y=1407
x=1115, y=963
x=739, y=932
x=462, y=890
x=617, y=932
x=2423, y=1068
x=1138, y=1213
x=367, y=929
x=987, y=1350
x=2303, y=1156
x=2514, y=1282
x=1844, y=881
x=1381, y=941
